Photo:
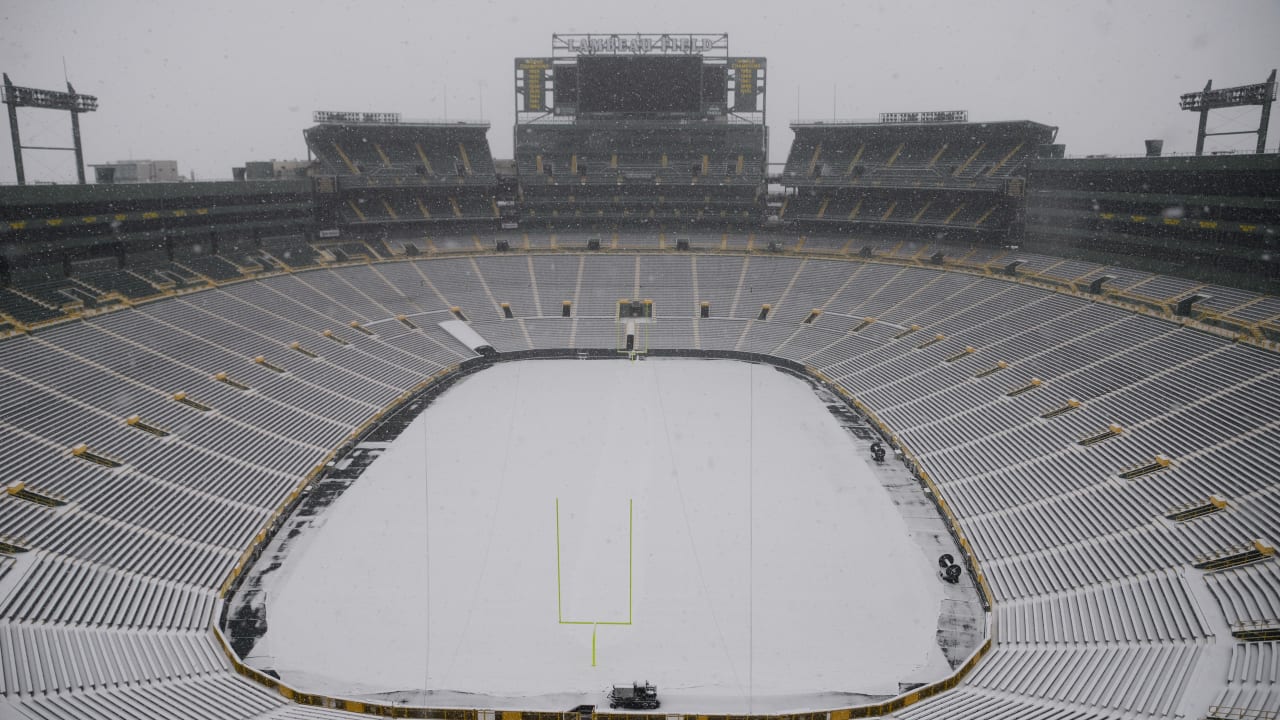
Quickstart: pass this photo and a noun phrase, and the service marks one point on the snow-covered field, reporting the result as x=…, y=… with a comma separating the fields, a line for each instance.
x=716, y=505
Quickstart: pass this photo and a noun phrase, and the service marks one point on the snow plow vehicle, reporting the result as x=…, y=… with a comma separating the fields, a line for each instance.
x=637, y=696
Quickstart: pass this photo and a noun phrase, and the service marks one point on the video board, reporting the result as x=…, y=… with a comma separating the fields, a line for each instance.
x=642, y=76
x=639, y=84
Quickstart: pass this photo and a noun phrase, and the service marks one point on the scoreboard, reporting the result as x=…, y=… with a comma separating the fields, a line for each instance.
x=600, y=96
x=748, y=76
x=637, y=84
x=531, y=79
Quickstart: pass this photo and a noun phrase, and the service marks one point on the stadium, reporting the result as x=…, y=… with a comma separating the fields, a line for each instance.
x=215, y=390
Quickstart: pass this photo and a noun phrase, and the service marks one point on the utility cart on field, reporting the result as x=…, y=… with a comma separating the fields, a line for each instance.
x=636, y=696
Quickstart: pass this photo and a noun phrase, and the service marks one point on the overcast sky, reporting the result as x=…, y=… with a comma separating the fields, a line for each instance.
x=213, y=84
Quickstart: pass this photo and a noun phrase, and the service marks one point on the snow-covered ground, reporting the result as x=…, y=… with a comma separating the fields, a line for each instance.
x=716, y=505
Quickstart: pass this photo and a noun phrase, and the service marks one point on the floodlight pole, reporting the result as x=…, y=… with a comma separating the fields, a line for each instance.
x=1263, y=94
x=13, y=132
x=75, y=138
x=1204, y=120
x=1266, y=113
x=70, y=101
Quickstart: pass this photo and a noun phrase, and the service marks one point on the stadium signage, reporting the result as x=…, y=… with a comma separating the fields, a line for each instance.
x=640, y=44
x=937, y=116
x=331, y=116
x=533, y=71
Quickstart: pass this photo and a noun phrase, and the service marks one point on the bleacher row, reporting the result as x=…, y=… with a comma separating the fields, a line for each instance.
x=657, y=201
x=728, y=155
x=46, y=300
x=566, y=166
x=424, y=154
x=961, y=155
x=367, y=207
x=954, y=209
x=1100, y=610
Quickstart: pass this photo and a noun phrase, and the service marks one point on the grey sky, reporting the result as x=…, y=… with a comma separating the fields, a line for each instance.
x=212, y=85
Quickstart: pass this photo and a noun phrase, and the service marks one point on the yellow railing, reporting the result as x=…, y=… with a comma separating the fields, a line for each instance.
x=400, y=711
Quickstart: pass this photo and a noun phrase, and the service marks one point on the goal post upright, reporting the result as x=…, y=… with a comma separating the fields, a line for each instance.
x=630, y=571
x=595, y=624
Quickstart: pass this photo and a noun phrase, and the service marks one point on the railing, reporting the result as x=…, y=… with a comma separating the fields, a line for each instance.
x=411, y=180
x=1127, y=156
x=1225, y=712
x=693, y=122
x=830, y=122
x=912, y=178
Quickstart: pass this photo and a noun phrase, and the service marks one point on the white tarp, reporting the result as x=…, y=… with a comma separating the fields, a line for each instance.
x=763, y=558
x=463, y=333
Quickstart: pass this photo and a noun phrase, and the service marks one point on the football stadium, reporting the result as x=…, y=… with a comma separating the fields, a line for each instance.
x=930, y=421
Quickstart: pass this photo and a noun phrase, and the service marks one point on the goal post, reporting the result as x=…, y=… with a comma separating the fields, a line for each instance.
x=633, y=321
x=595, y=624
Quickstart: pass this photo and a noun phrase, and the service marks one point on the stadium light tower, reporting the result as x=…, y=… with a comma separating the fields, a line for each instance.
x=1209, y=99
x=71, y=101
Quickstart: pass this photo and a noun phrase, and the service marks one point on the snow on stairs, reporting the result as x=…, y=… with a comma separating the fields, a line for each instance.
x=1196, y=510
x=1235, y=557
x=20, y=491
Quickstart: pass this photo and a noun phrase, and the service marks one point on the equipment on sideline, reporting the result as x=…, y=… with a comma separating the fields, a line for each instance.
x=950, y=571
x=636, y=697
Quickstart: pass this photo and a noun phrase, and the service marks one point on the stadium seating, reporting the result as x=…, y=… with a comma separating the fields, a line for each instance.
x=419, y=206
x=1099, y=608
x=409, y=153
x=948, y=154
x=390, y=182
x=1150, y=208
x=25, y=308
x=637, y=173
x=887, y=175
x=880, y=206
x=721, y=155
x=1253, y=680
